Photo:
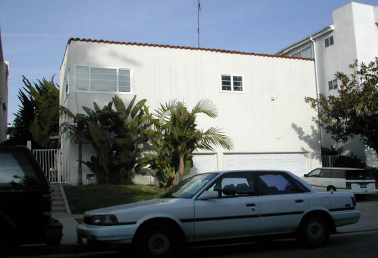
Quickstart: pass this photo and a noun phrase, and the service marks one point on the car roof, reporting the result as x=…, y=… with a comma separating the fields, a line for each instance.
x=250, y=170
x=13, y=147
x=333, y=168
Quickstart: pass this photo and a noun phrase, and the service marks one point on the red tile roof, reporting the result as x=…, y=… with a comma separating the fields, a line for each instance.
x=186, y=48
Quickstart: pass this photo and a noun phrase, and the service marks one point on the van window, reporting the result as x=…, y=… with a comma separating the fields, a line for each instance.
x=338, y=173
x=325, y=173
x=315, y=173
x=16, y=170
x=357, y=175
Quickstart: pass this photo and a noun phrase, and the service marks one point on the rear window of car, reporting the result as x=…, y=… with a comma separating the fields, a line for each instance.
x=16, y=170
x=357, y=175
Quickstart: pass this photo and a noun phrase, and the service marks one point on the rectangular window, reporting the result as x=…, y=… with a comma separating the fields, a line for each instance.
x=232, y=83
x=332, y=85
x=306, y=53
x=16, y=170
x=338, y=174
x=99, y=79
x=328, y=41
x=66, y=82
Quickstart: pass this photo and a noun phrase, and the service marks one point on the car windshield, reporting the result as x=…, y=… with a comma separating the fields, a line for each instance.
x=357, y=175
x=189, y=187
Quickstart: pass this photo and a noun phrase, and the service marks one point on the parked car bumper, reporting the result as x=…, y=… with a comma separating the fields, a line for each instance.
x=342, y=218
x=365, y=191
x=106, y=233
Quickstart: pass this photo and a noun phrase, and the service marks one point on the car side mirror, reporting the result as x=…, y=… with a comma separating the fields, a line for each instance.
x=305, y=175
x=208, y=195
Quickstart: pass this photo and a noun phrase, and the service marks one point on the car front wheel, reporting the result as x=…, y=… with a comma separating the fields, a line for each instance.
x=3, y=247
x=314, y=232
x=157, y=240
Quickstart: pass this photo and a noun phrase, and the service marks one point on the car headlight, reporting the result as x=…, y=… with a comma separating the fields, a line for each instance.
x=105, y=220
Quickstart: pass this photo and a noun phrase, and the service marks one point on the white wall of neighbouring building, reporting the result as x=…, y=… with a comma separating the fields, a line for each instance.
x=355, y=35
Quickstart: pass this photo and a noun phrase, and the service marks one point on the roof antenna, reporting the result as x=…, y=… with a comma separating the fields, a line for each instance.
x=198, y=29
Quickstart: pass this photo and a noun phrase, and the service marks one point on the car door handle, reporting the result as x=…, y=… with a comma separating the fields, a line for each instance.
x=250, y=205
x=298, y=201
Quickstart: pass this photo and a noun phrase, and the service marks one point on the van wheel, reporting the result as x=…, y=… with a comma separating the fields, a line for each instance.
x=54, y=241
x=157, y=240
x=3, y=247
x=331, y=189
x=314, y=231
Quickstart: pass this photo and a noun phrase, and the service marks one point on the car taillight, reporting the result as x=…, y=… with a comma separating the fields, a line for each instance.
x=46, y=195
x=354, y=201
x=348, y=185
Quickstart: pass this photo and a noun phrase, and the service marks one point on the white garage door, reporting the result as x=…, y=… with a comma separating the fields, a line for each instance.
x=202, y=163
x=295, y=163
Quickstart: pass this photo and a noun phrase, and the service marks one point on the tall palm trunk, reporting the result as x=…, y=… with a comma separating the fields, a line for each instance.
x=181, y=168
x=80, y=168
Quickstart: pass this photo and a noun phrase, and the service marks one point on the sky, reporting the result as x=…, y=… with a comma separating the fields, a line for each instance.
x=35, y=32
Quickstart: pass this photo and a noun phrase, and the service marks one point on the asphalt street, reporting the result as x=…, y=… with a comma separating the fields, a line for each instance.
x=351, y=241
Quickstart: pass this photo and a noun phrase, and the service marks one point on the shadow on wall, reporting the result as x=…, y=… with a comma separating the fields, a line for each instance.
x=128, y=61
x=313, y=140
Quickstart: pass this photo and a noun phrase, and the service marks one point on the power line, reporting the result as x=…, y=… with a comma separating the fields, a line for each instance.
x=198, y=29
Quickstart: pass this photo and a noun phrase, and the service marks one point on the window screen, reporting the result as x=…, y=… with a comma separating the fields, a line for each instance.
x=226, y=82
x=99, y=79
x=124, y=80
x=233, y=83
x=82, y=78
x=103, y=79
x=238, y=83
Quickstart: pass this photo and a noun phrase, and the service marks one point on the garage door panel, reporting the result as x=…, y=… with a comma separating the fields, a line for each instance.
x=202, y=164
x=296, y=163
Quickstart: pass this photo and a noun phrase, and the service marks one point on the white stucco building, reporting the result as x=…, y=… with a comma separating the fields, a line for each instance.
x=4, y=72
x=260, y=98
x=353, y=35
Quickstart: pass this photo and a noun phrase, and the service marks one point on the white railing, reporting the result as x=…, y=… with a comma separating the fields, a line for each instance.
x=329, y=160
x=51, y=161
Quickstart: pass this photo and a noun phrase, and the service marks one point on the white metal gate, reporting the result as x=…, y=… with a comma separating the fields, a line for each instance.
x=50, y=161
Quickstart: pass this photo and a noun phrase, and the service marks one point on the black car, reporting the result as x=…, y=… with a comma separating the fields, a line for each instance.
x=25, y=201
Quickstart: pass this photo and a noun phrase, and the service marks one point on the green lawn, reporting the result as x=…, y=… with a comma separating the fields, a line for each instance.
x=89, y=197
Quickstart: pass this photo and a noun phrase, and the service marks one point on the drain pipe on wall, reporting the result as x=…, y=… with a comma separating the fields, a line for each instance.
x=317, y=85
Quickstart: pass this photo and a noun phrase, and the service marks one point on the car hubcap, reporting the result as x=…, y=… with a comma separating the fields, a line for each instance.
x=315, y=230
x=158, y=244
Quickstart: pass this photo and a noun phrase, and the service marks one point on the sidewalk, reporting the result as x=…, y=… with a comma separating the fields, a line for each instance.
x=69, y=227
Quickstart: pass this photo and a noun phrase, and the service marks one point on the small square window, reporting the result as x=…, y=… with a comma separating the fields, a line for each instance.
x=232, y=83
x=332, y=85
x=328, y=41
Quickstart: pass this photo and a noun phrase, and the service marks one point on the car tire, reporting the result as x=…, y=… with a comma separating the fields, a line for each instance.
x=3, y=247
x=54, y=241
x=331, y=189
x=157, y=240
x=314, y=231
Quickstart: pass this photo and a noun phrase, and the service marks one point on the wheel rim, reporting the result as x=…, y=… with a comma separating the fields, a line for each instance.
x=315, y=230
x=158, y=244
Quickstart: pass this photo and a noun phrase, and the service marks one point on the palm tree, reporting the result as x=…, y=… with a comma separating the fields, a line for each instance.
x=75, y=129
x=182, y=135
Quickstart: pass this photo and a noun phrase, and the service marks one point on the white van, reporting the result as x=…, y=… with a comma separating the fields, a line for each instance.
x=355, y=180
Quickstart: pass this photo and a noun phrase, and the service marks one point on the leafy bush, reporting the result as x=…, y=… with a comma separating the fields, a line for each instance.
x=349, y=162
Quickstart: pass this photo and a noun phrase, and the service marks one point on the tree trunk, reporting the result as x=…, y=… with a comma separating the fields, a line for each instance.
x=181, y=168
x=80, y=167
